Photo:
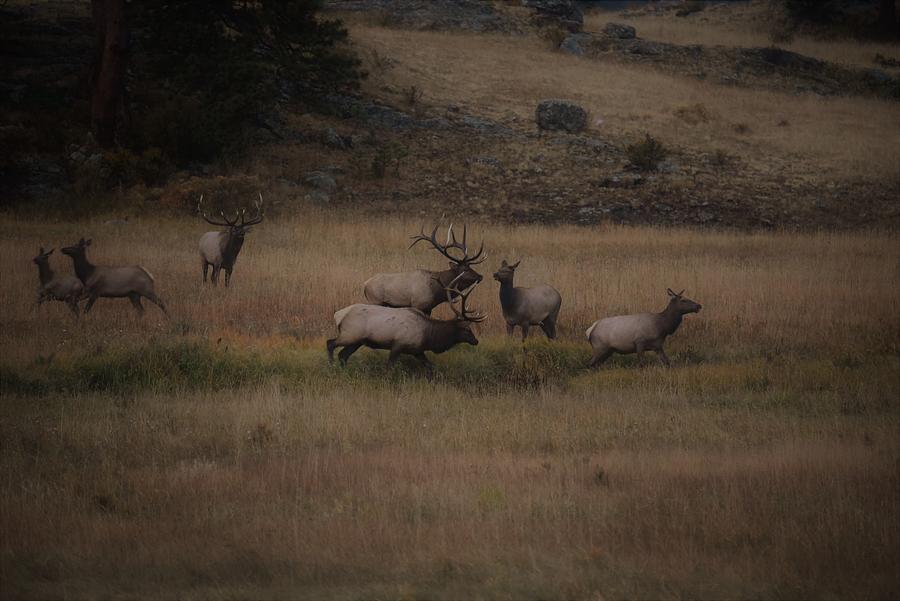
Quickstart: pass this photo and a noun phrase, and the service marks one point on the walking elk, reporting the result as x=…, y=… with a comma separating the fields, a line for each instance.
x=403, y=330
x=423, y=289
x=133, y=282
x=220, y=249
x=64, y=288
x=628, y=334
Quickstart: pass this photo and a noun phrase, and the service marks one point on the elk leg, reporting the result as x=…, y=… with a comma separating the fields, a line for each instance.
x=215, y=274
x=549, y=329
x=90, y=303
x=135, y=299
x=599, y=357
x=395, y=352
x=347, y=351
x=151, y=296
x=664, y=359
x=639, y=349
x=428, y=365
x=227, y=277
x=524, y=327
x=73, y=306
x=205, y=269
x=509, y=329
x=330, y=345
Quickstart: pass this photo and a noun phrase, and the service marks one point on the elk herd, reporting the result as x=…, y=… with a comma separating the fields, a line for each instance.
x=397, y=313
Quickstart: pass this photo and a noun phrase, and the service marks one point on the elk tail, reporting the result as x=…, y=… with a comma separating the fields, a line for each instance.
x=340, y=315
x=591, y=329
x=149, y=275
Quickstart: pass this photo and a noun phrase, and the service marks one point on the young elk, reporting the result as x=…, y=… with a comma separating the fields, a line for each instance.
x=628, y=334
x=525, y=307
x=112, y=282
x=64, y=288
x=403, y=330
x=220, y=249
x=422, y=289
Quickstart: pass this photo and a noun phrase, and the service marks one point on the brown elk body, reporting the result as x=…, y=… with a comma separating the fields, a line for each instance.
x=628, y=334
x=65, y=288
x=402, y=330
x=525, y=307
x=220, y=250
x=132, y=282
x=423, y=289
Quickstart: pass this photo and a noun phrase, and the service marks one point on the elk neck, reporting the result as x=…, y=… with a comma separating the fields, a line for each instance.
x=507, y=294
x=670, y=317
x=44, y=272
x=232, y=247
x=83, y=268
x=440, y=336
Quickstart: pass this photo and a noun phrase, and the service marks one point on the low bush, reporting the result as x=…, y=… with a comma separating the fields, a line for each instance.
x=647, y=154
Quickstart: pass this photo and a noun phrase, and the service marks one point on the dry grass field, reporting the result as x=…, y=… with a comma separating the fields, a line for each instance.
x=215, y=454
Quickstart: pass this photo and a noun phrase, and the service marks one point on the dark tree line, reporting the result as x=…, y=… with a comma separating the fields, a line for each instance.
x=190, y=78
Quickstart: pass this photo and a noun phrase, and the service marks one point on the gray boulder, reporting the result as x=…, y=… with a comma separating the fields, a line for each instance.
x=564, y=12
x=560, y=115
x=620, y=31
x=575, y=43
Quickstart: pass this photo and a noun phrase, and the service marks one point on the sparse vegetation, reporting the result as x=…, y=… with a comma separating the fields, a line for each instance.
x=647, y=154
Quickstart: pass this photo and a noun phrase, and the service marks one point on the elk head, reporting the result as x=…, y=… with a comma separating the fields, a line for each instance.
x=461, y=267
x=506, y=272
x=681, y=304
x=43, y=256
x=76, y=249
x=235, y=229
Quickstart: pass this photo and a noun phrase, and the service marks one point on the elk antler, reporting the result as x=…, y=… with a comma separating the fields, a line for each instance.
x=225, y=223
x=463, y=314
x=259, y=213
x=452, y=242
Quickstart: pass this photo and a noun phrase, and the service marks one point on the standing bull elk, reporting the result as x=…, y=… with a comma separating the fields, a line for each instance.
x=525, y=307
x=422, y=289
x=62, y=288
x=220, y=249
x=133, y=282
x=628, y=334
x=403, y=330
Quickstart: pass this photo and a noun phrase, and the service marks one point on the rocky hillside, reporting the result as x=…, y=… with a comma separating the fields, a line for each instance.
x=511, y=111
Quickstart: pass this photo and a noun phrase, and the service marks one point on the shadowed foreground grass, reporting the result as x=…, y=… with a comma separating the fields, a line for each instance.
x=201, y=473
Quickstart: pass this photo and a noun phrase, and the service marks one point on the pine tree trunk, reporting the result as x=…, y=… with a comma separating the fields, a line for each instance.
x=108, y=73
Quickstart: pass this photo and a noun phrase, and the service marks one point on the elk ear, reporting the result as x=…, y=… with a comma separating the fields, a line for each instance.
x=503, y=263
x=49, y=252
x=670, y=293
x=41, y=251
x=516, y=264
x=88, y=242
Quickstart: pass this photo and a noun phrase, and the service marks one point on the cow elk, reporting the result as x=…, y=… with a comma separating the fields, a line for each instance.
x=65, y=288
x=423, y=289
x=403, y=330
x=132, y=282
x=219, y=250
x=628, y=334
x=525, y=307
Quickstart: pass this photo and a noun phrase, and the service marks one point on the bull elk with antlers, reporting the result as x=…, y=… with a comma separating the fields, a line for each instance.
x=423, y=289
x=404, y=330
x=219, y=250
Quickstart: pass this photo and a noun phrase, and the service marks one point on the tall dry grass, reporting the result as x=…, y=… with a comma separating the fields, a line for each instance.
x=763, y=465
x=796, y=294
x=803, y=137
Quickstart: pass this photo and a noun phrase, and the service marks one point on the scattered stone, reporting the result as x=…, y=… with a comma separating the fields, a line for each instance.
x=575, y=43
x=620, y=31
x=560, y=115
x=321, y=181
x=563, y=12
x=332, y=139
